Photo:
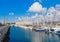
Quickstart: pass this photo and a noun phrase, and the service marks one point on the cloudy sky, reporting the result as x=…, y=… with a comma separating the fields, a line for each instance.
x=12, y=9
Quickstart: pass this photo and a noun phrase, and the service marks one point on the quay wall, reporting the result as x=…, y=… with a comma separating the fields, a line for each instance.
x=4, y=33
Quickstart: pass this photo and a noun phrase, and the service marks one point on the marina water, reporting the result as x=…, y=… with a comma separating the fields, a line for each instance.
x=18, y=34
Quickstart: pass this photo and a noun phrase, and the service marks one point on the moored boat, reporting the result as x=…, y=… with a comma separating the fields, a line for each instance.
x=57, y=32
x=52, y=30
x=39, y=29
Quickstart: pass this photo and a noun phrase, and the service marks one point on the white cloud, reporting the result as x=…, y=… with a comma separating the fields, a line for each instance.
x=51, y=10
x=35, y=7
x=49, y=17
x=57, y=7
x=11, y=13
x=44, y=10
x=41, y=18
x=50, y=14
x=34, y=18
x=36, y=15
x=38, y=18
x=19, y=18
x=57, y=13
x=57, y=16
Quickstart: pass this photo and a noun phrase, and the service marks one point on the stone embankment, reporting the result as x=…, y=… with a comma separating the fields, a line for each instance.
x=4, y=33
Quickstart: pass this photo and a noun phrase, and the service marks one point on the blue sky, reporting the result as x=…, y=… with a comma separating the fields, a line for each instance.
x=19, y=7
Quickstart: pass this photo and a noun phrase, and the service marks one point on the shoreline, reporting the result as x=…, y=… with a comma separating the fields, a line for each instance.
x=25, y=27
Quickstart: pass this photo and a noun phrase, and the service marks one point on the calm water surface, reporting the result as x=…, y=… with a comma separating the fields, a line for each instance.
x=18, y=34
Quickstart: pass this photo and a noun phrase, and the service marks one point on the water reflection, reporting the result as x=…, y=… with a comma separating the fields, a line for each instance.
x=25, y=35
x=42, y=36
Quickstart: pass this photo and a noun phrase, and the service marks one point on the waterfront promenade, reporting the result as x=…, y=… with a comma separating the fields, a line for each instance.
x=3, y=32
